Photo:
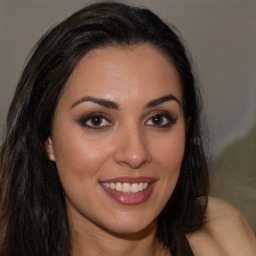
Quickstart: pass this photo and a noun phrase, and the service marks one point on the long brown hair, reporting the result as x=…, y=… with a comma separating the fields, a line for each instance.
x=33, y=219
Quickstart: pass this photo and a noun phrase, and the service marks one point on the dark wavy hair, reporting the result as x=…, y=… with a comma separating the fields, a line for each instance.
x=33, y=219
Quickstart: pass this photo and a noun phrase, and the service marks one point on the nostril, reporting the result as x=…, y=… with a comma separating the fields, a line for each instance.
x=132, y=148
x=133, y=163
x=134, y=158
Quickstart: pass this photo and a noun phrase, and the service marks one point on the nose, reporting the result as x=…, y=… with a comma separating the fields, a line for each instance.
x=132, y=149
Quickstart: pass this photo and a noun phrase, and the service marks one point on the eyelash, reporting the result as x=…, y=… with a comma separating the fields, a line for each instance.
x=169, y=120
x=92, y=116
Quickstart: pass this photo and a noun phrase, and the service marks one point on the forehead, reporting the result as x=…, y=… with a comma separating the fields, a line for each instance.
x=116, y=73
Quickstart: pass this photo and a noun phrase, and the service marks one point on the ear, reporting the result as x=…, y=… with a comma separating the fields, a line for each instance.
x=49, y=149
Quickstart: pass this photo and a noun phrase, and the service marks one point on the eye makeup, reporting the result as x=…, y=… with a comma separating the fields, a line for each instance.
x=161, y=119
x=95, y=121
x=99, y=120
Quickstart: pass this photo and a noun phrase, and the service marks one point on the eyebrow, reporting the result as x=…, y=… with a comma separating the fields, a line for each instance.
x=113, y=105
x=103, y=102
x=161, y=100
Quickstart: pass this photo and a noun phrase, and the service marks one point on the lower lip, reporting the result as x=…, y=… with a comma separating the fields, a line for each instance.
x=130, y=199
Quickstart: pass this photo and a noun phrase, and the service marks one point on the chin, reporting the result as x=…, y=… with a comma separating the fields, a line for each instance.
x=132, y=229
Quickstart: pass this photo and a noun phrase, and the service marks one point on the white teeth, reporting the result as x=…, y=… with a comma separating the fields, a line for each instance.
x=119, y=186
x=127, y=187
x=135, y=188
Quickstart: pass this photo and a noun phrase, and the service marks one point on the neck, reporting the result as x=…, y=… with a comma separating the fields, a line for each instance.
x=102, y=242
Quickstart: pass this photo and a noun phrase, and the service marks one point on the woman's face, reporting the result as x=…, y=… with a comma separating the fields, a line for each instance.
x=118, y=138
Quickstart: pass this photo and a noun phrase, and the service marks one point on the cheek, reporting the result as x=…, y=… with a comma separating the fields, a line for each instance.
x=79, y=162
x=170, y=151
x=168, y=158
x=79, y=155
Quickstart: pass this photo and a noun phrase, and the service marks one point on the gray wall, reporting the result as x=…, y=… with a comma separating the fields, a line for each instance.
x=221, y=35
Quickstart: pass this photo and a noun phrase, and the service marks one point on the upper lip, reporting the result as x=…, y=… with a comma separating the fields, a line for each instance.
x=129, y=180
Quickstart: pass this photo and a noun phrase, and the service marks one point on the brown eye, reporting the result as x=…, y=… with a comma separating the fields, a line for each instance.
x=161, y=120
x=157, y=120
x=95, y=121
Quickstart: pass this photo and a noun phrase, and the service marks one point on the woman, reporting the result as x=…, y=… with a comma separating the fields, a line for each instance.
x=103, y=153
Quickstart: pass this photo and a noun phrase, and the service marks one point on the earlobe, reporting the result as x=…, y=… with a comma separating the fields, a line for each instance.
x=49, y=149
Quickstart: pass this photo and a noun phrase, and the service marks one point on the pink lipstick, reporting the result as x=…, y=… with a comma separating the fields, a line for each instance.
x=129, y=190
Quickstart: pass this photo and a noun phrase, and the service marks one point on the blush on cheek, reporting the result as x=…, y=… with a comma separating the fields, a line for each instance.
x=173, y=152
x=82, y=160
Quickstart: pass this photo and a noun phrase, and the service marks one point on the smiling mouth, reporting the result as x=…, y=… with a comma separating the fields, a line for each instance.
x=126, y=188
x=129, y=190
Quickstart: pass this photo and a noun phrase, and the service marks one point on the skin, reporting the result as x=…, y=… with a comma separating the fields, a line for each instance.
x=125, y=141
x=226, y=232
x=127, y=144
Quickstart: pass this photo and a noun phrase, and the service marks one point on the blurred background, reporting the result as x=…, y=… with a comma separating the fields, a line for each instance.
x=221, y=36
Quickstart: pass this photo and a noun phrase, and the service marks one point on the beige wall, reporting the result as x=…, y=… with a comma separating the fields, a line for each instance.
x=221, y=36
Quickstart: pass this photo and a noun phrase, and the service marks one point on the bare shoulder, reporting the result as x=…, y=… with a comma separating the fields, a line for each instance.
x=226, y=232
